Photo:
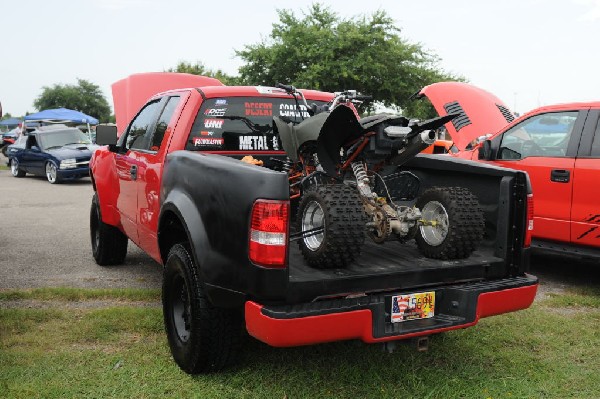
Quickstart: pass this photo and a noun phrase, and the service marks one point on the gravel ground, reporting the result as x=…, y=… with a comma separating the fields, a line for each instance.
x=44, y=241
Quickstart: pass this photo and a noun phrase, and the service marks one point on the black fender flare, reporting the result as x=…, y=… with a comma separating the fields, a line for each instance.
x=186, y=211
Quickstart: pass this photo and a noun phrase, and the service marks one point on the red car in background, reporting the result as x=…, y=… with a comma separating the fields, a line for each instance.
x=558, y=146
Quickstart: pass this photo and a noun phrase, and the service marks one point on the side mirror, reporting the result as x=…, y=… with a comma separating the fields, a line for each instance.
x=35, y=148
x=485, y=150
x=106, y=135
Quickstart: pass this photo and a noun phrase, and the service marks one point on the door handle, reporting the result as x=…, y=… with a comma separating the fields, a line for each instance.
x=560, y=175
x=133, y=172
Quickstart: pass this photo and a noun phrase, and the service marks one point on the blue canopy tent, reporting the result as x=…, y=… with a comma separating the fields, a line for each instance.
x=63, y=115
x=10, y=123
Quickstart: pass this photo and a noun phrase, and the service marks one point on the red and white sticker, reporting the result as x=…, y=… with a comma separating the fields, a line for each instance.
x=207, y=141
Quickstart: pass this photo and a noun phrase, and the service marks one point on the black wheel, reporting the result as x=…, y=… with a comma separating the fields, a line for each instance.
x=52, y=173
x=202, y=337
x=109, y=244
x=14, y=168
x=453, y=223
x=4, y=148
x=335, y=215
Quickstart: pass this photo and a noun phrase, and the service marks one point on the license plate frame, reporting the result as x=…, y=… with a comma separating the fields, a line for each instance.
x=413, y=306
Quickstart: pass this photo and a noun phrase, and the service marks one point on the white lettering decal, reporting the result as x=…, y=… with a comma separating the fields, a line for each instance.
x=213, y=123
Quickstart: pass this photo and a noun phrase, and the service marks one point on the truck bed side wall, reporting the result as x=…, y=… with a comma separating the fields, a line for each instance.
x=501, y=192
x=213, y=196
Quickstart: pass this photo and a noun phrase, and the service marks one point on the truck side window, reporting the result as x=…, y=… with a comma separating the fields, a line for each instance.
x=596, y=144
x=163, y=123
x=545, y=135
x=141, y=128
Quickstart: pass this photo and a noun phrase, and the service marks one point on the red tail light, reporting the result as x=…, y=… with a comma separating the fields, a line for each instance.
x=268, y=233
x=529, y=227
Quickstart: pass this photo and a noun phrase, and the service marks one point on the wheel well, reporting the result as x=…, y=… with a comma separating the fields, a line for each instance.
x=171, y=232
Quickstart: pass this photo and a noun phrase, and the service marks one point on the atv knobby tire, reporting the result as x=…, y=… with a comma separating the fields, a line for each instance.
x=202, y=337
x=109, y=244
x=336, y=208
x=458, y=223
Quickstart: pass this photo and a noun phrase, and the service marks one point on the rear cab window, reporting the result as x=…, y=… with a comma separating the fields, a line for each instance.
x=242, y=124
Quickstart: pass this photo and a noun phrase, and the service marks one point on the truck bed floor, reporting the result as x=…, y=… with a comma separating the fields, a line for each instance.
x=390, y=266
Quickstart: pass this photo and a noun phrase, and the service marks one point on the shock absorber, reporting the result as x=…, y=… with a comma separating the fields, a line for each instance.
x=287, y=165
x=362, y=180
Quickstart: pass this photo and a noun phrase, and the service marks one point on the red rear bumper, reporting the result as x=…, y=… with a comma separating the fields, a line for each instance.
x=358, y=324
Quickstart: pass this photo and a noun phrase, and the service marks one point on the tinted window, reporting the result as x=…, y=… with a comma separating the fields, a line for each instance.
x=163, y=123
x=241, y=123
x=545, y=135
x=140, y=130
x=596, y=144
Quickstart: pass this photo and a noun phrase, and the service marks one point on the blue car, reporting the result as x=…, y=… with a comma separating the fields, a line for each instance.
x=57, y=152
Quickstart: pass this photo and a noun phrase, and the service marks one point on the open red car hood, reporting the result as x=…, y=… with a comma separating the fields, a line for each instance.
x=480, y=112
x=131, y=93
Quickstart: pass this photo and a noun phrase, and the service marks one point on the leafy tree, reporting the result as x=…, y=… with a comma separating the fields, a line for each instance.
x=199, y=69
x=6, y=116
x=85, y=97
x=322, y=51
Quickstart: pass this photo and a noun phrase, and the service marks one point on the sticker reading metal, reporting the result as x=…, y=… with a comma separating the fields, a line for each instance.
x=413, y=306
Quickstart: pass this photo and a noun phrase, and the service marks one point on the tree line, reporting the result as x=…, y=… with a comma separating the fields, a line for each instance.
x=317, y=50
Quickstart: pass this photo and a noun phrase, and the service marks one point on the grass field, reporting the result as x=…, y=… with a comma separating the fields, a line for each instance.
x=57, y=343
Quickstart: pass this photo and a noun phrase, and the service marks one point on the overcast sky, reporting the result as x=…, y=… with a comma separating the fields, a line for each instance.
x=527, y=52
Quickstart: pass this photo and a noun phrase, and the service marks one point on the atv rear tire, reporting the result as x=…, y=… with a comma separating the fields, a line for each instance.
x=454, y=223
x=338, y=210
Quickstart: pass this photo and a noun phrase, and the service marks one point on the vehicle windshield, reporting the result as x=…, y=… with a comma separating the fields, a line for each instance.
x=49, y=140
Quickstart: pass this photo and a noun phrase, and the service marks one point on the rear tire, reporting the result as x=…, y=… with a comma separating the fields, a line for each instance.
x=14, y=168
x=202, y=337
x=109, y=244
x=459, y=223
x=336, y=208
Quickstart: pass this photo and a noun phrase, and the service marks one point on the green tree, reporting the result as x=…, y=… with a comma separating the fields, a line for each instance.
x=199, y=69
x=85, y=97
x=323, y=51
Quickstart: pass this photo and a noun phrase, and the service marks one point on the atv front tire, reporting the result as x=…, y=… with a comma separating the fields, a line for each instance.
x=452, y=223
x=335, y=215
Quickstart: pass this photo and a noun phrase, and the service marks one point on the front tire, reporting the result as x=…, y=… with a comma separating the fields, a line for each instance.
x=202, y=337
x=109, y=244
x=15, y=170
x=339, y=212
x=453, y=223
x=52, y=173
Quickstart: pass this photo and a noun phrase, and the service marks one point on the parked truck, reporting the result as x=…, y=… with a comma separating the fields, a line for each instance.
x=557, y=145
x=224, y=229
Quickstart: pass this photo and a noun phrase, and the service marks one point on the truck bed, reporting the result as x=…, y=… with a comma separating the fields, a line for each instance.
x=385, y=267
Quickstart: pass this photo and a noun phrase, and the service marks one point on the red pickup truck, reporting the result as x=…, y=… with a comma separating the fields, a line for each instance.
x=557, y=145
x=174, y=184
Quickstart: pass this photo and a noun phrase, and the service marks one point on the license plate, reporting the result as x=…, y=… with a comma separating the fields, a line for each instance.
x=413, y=306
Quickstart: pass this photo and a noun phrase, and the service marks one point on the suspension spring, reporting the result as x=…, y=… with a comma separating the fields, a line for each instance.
x=287, y=165
x=360, y=173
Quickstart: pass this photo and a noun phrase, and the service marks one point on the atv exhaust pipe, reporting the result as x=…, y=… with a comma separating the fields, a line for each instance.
x=414, y=146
